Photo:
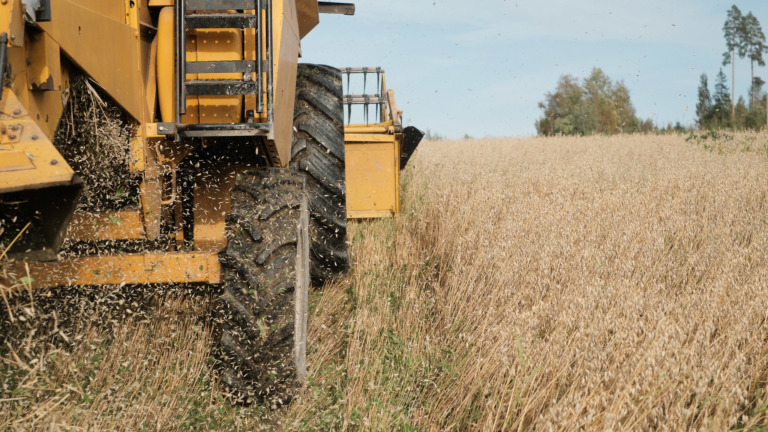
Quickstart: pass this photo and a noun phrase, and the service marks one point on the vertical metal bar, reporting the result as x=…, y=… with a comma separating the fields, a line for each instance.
x=3, y=59
x=181, y=59
x=382, y=89
x=349, y=105
x=378, y=95
x=259, y=59
x=349, y=75
x=365, y=86
x=270, y=68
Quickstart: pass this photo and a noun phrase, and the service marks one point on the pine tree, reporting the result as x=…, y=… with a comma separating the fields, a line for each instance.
x=733, y=31
x=756, y=90
x=753, y=41
x=704, y=105
x=722, y=106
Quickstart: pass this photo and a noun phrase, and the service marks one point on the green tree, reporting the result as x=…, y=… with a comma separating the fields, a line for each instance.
x=753, y=41
x=756, y=117
x=757, y=90
x=740, y=117
x=722, y=107
x=704, y=104
x=628, y=121
x=565, y=110
x=646, y=126
x=599, y=87
x=596, y=106
x=733, y=31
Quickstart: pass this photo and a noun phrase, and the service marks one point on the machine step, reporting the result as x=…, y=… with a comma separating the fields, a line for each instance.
x=221, y=87
x=193, y=5
x=222, y=21
x=233, y=66
x=215, y=129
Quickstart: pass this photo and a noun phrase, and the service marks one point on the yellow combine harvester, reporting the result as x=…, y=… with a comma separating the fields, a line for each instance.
x=154, y=142
x=375, y=152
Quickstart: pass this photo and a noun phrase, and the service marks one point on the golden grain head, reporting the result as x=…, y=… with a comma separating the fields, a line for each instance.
x=601, y=283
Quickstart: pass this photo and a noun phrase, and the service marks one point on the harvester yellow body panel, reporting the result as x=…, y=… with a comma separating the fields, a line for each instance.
x=286, y=60
x=372, y=173
x=27, y=159
x=145, y=268
x=106, y=44
x=375, y=152
x=165, y=64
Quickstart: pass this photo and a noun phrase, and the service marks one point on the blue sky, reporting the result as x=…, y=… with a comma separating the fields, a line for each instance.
x=481, y=67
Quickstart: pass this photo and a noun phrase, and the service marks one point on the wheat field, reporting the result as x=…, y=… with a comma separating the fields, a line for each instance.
x=548, y=284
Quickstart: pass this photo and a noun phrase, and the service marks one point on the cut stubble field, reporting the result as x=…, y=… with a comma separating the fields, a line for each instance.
x=597, y=283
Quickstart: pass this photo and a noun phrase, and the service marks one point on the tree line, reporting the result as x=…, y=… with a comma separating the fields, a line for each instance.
x=596, y=105
x=744, y=38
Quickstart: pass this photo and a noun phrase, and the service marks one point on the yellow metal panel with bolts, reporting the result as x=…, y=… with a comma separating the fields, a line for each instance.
x=123, y=269
x=45, y=107
x=12, y=21
x=44, y=59
x=372, y=175
x=19, y=134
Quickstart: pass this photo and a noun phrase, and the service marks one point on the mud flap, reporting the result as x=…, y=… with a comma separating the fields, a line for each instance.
x=411, y=139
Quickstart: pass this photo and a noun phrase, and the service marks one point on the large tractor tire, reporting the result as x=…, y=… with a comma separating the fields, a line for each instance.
x=265, y=275
x=318, y=152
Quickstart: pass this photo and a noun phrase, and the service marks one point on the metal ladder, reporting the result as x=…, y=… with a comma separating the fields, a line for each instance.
x=202, y=18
